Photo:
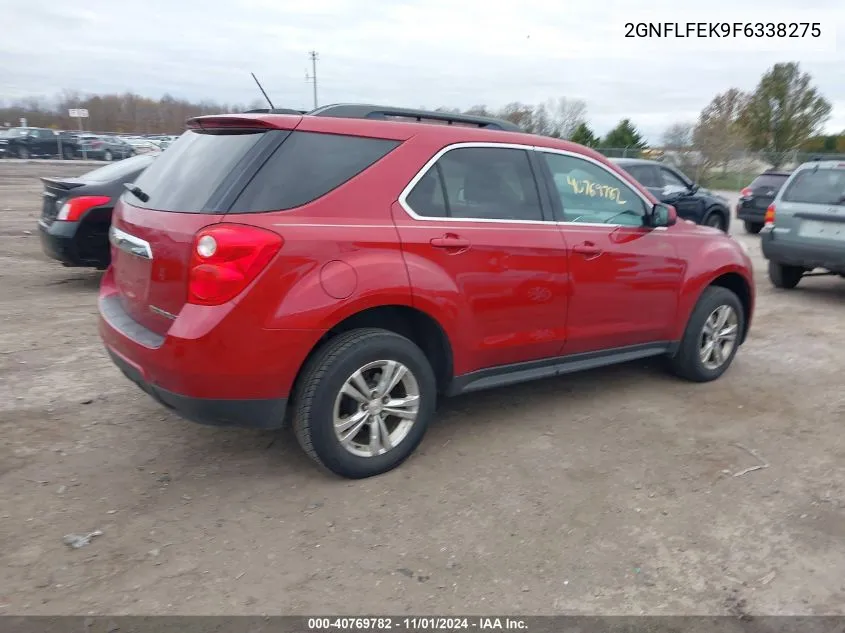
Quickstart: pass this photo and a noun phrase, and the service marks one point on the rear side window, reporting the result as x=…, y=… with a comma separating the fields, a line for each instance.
x=768, y=181
x=478, y=183
x=307, y=166
x=186, y=177
x=817, y=186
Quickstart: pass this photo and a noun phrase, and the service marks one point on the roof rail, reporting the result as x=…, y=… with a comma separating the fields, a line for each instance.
x=364, y=111
x=823, y=157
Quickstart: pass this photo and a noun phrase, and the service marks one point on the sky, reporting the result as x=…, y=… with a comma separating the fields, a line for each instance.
x=416, y=53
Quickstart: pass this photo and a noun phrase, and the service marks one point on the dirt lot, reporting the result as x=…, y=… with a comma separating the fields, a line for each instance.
x=608, y=492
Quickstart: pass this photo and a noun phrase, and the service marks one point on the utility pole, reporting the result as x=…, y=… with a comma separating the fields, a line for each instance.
x=313, y=76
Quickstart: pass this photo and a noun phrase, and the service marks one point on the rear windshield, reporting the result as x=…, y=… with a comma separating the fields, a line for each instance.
x=769, y=181
x=201, y=171
x=817, y=186
x=121, y=169
x=186, y=176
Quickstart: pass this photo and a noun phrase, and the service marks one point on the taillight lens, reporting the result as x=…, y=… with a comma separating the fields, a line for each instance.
x=745, y=193
x=225, y=259
x=75, y=208
x=769, y=218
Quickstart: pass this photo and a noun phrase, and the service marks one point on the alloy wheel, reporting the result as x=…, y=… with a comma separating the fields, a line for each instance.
x=718, y=337
x=376, y=408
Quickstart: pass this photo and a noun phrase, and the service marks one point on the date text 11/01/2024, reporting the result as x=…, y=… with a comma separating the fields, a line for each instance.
x=387, y=623
x=723, y=29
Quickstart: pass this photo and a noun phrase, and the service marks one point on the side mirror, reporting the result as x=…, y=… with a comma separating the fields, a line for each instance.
x=694, y=187
x=663, y=215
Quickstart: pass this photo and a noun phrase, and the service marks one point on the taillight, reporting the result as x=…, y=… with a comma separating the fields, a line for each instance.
x=75, y=208
x=746, y=192
x=769, y=218
x=225, y=259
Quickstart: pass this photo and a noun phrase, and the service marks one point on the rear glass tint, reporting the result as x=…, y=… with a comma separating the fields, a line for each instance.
x=768, y=181
x=121, y=169
x=817, y=186
x=307, y=166
x=186, y=176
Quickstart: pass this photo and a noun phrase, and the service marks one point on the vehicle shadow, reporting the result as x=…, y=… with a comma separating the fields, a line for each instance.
x=78, y=280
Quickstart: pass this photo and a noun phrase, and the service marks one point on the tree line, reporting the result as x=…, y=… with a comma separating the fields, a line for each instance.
x=783, y=113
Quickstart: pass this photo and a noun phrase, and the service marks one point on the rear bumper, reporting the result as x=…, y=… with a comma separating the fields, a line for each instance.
x=807, y=255
x=213, y=366
x=267, y=413
x=57, y=241
x=750, y=215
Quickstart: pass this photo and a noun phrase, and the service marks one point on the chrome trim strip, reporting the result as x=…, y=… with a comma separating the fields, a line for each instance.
x=160, y=312
x=129, y=243
x=403, y=202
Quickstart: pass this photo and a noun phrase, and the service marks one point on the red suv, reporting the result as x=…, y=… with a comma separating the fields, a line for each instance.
x=343, y=269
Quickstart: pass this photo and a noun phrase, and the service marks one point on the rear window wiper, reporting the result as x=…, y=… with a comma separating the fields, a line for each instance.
x=136, y=191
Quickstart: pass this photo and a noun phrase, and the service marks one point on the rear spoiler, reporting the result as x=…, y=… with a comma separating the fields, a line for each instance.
x=62, y=183
x=234, y=121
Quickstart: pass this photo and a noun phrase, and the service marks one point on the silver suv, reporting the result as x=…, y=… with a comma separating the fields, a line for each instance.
x=805, y=225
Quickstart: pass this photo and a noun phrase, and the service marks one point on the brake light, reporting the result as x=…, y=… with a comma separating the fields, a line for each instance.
x=746, y=192
x=225, y=259
x=769, y=218
x=75, y=208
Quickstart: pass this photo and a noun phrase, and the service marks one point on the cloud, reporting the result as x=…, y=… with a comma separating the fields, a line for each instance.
x=412, y=52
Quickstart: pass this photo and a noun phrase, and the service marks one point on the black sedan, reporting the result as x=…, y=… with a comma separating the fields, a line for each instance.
x=671, y=186
x=76, y=212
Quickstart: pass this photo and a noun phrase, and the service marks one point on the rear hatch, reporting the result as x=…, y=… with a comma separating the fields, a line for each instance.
x=762, y=191
x=188, y=187
x=811, y=208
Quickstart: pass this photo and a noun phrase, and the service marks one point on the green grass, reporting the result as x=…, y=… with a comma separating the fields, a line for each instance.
x=730, y=181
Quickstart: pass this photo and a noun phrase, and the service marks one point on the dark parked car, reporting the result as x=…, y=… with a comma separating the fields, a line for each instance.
x=76, y=212
x=756, y=198
x=104, y=147
x=31, y=142
x=672, y=186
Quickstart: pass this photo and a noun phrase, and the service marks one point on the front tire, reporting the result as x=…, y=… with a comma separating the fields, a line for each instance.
x=783, y=276
x=108, y=156
x=753, y=227
x=712, y=336
x=364, y=402
x=23, y=153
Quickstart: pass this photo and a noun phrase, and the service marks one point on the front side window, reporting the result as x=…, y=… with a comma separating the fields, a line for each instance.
x=476, y=183
x=591, y=194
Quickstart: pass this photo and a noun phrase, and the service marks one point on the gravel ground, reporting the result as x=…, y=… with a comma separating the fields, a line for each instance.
x=607, y=492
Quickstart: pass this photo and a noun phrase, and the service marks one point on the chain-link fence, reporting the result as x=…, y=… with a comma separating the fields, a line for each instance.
x=730, y=171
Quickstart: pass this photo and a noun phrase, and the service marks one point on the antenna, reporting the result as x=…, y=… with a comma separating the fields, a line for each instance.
x=272, y=107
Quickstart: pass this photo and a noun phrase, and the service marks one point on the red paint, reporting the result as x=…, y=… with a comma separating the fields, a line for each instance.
x=501, y=292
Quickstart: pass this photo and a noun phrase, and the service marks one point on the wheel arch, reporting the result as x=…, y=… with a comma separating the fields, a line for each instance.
x=412, y=323
x=737, y=284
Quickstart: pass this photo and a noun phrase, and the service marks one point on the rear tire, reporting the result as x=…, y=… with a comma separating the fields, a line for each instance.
x=328, y=405
x=692, y=360
x=23, y=153
x=753, y=227
x=783, y=276
x=107, y=156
